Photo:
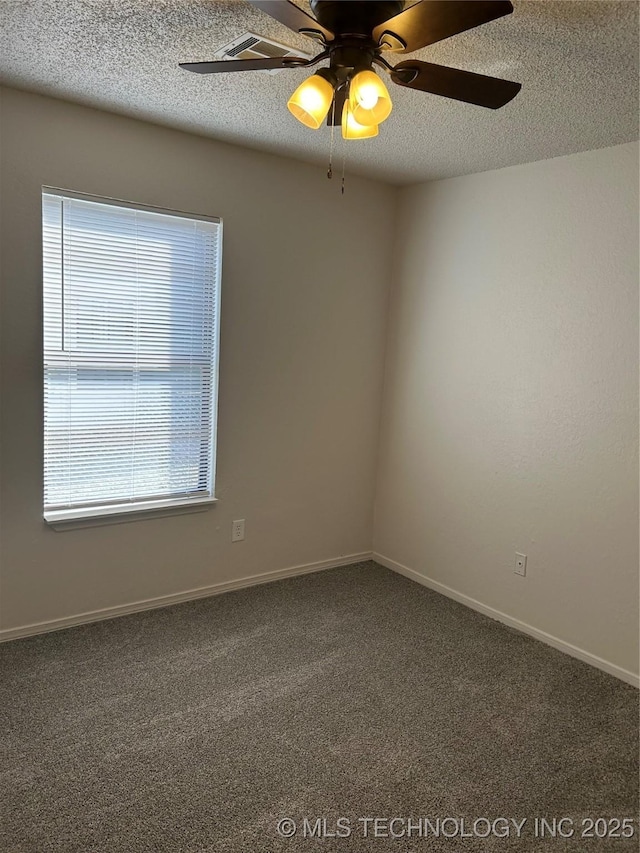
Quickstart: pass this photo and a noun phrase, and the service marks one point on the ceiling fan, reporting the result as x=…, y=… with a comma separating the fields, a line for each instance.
x=355, y=35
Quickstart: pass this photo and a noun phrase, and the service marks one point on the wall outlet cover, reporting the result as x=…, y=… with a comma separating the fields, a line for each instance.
x=521, y=565
x=237, y=530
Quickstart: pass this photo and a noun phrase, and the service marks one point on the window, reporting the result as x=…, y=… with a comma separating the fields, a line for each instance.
x=131, y=299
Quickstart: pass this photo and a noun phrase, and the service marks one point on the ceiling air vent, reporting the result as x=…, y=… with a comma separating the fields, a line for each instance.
x=252, y=46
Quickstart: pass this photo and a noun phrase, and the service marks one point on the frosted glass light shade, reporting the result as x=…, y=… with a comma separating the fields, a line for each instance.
x=368, y=99
x=352, y=130
x=311, y=101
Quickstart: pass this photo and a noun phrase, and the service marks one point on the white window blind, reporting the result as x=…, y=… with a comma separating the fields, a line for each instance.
x=131, y=302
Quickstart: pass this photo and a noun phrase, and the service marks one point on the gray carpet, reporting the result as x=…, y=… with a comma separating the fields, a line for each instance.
x=350, y=693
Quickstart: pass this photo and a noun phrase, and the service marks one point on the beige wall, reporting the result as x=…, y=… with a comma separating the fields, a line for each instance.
x=302, y=345
x=511, y=399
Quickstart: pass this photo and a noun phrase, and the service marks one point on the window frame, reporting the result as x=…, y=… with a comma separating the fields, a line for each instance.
x=110, y=513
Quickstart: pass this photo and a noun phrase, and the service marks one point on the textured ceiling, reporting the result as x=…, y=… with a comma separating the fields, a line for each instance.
x=577, y=62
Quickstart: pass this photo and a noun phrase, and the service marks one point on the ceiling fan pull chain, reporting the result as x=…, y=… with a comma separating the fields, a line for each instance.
x=344, y=160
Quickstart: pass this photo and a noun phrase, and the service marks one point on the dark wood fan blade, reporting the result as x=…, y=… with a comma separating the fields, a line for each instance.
x=292, y=16
x=335, y=112
x=221, y=67
x=454, y=83
x=434, y=20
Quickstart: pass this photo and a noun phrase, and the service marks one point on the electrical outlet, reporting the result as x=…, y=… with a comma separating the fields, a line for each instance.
x=521, y=565
x=237, y=530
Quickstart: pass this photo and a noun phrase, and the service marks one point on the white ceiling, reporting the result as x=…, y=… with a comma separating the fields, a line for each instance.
x=577, y=62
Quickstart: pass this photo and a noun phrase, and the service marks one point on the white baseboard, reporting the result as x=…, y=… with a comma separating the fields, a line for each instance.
x=308, y=568
x=549, y=639
x=176, y=598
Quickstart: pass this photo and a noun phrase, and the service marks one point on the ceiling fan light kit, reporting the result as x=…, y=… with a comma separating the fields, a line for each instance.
x=355, y=35
x=368, y=103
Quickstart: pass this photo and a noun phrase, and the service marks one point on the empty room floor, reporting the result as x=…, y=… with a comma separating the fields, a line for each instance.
x=348, y=694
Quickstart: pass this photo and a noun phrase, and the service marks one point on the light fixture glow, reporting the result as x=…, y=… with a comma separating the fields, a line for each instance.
x=352, y=130
x=311, y=101
x=368, y=99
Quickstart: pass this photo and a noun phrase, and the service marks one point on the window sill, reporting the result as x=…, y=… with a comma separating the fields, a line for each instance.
x=70, y=519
